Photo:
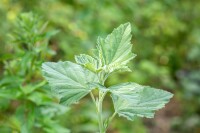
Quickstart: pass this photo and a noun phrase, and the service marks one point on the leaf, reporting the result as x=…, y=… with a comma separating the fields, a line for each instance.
x=114, y=51
x=12, y=93
x=53, y=109
x=68, y=80
x=52, y=126
x=38, y=98
x=30, y=88
x=88, y=61
x=131, y=100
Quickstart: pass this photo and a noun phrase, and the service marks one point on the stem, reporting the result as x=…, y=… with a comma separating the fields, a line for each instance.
x=93, y=99
x=110, y=119
x=99, y=111
x=102, y=77
x=98, y=104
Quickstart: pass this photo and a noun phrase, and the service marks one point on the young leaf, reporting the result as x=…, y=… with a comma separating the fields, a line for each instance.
x=88, y=61
x=68, y=80
x=114, y=52
x=131, y=100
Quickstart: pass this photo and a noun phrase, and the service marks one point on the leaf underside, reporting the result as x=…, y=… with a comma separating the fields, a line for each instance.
x=131, y=100
x=68, y=80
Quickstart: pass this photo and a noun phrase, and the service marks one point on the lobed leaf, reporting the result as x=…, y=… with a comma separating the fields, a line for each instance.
x=131, y=100
x=114, y=52
x=68, y=80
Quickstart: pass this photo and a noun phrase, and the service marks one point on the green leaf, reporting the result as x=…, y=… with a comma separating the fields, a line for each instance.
x=88, y=61
x=114, y=51
x=30, y=88
x=131, y=100
x=53, y=109
x=68, y=80
x=39, y=98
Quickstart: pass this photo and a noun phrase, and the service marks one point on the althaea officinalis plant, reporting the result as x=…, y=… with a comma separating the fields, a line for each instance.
x=72, y=81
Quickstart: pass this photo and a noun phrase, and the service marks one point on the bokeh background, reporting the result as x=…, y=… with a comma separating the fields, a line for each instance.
x=166, y=39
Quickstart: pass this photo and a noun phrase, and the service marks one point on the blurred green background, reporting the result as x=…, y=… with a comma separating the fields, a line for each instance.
x=166, y=39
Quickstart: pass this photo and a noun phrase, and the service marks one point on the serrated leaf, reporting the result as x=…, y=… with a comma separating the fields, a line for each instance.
x=68, y=80
x=114, y=51
x=88, y=61
x=131, y=100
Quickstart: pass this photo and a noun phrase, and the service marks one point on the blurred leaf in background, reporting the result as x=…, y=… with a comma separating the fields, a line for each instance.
x=26, y=104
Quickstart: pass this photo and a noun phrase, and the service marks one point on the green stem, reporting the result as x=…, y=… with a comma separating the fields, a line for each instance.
x=99, y=111
x=93, y=99
x=110, y=119
x=99, y=103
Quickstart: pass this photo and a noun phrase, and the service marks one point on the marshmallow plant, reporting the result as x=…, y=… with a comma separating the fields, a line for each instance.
x=72, y=81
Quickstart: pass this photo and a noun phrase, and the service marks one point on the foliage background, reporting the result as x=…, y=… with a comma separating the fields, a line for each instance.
x=165, y=39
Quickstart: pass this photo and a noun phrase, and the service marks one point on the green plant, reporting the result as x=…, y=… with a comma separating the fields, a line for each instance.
x=26, y=105
x=72, y=81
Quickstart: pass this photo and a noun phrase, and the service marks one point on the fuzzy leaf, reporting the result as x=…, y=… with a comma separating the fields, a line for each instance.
x=68, y=80
x=114, y=51
x=131, y=100
x=88, y=61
